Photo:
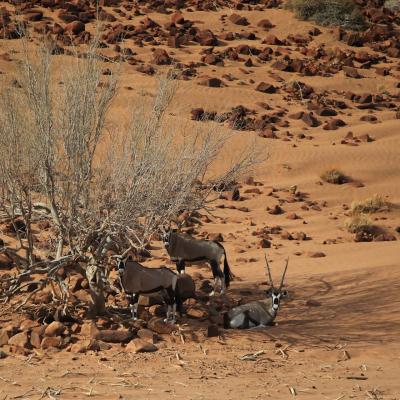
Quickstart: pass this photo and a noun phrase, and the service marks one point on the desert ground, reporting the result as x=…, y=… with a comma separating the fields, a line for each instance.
x=337, y=335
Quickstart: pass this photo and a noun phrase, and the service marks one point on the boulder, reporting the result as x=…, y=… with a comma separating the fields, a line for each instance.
x=212, y=82
x=159, y=326
x=74, y=27
x=110, y=336
x=147, y=335
x=161, y=57
x=54, y=341
x=238, y=19
x=266, y=88
x=54, y=329
x=19, y=340
x=265, y=24
x=140, y=346
x=4, y=337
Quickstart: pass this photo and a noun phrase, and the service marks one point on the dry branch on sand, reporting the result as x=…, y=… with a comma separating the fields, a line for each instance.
x=99, y=193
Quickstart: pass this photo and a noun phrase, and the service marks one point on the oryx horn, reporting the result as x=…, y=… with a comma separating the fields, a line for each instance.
x=284, y=273
x=269, y=272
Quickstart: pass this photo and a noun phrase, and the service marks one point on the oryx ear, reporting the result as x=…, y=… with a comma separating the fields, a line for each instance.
x=284, y=293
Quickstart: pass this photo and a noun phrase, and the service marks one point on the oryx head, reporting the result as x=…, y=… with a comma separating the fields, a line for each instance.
x=166, y=235
x=276, y=294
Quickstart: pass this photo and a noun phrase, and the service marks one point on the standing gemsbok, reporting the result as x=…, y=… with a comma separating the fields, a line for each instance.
x=183, y=248
x=137, y=279
x=260, y=312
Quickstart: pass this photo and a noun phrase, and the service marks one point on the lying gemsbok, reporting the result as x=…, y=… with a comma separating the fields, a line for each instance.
x=183, y=248
x=137, y=279
x=260, y=312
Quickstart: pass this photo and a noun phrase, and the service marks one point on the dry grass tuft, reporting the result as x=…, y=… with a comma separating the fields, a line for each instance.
x=334, y=176
x=359, y=224
x=344, y=13
x=373, y=204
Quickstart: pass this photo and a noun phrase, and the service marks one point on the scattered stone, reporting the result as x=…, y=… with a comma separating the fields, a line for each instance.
x=238, y=20
x=2, y=354
x=54, y=329
x=20, y=340
x=276, y=210
x=74, y=27
x=54, y=341
x=265, y=243
x=159, y=326
x=161, y=57
x=316, y=254
x=266, y=88
x=217, y=237
x=212, y=82
x=140, y=346
x=147, y=335
x=4, y=337
x=313, y=303
x=110, y=336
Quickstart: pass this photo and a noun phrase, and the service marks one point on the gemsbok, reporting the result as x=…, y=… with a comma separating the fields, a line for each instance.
x=137, y=279
x=183, y=248
x=259, y=313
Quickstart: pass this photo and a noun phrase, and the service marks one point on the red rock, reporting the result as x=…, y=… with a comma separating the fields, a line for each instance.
x=366, y=138
x=147, y=335
x=265, y=243
x=146, y=69
x=206, y=38
x=28, y=324
x=54, y=341
x=310, y=120
x=333, y=124
x=272, y=40
x=110, y=336
x=54, y=329
x=268, y=134
x=265, y=24
x=238, y=20
x=5, y=262
x=351, y=72
x=36, y=339
x=266, y=88
x=159, y=326
x=313, y=303
x=161, y=57
x=75, y=27
x=276, y=210
x=217, y=237
x=19, y=340
x=212, y=82
x=316, y=254
x=33, y=16
x=140, y=346
x=4, y=337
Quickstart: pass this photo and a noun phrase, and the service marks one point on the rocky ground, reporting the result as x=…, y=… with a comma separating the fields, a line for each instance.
x=316, y=99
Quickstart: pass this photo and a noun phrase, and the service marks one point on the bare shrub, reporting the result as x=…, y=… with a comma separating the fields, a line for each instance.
x=344, y=13
x=334, y=176
x=371, y=205
x=100, y=193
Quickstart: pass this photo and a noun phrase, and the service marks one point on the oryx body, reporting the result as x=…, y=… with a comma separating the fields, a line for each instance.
x=260, y=312
x=184, y=249
x=137, y=279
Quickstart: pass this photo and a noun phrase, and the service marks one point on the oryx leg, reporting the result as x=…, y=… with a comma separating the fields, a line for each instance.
x=133, y=304
x=218, y=277
x=180, y=266
x=243, y=321
x=171, y=300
